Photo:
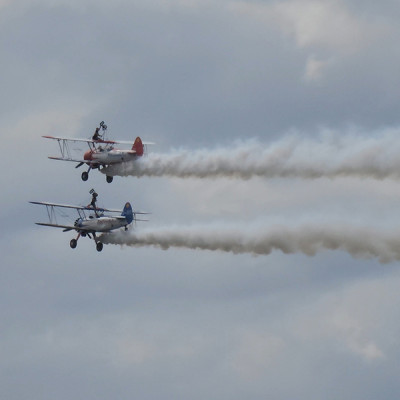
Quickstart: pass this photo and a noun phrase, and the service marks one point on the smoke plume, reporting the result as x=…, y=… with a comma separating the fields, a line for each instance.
x=359, y=242
x=329, y=156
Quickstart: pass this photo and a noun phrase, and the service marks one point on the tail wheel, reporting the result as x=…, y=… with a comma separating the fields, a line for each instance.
x=109, y=179
x=73, y=243
x=84, y=176
x=99, y=246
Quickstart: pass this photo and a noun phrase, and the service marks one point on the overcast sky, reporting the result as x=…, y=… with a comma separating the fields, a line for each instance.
x=196, y=324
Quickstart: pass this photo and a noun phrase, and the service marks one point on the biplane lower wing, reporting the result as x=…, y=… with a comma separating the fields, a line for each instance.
x=66, y=227
x=91, y=162
x=68, y=159
x=81, y=162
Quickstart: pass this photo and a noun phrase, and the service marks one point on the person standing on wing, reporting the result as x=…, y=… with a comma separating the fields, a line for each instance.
x=93, y=202
x=97, y=135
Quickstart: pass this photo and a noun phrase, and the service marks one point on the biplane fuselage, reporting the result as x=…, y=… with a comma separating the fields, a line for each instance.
x=101, y=224
x=109, y=156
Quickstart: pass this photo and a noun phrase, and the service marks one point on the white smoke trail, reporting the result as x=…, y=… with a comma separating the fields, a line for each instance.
x=359, y=242
x=332, y=155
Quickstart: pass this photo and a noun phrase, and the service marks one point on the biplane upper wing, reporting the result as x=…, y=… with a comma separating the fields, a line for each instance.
x=130, y=142
x=79, y=140
x=45, y=203
x=95, y=141
x=99, y=209
x=120, y=211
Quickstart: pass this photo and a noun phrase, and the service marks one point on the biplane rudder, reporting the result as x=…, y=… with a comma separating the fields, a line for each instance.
x=127, y=212
x=138, y=146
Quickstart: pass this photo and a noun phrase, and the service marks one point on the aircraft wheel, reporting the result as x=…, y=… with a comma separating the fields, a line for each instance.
x=84, y=176
x=99, y=246
x=109, y=179
x=73, y=243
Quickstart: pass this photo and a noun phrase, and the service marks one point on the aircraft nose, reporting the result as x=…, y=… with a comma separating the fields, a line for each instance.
x=88, y=155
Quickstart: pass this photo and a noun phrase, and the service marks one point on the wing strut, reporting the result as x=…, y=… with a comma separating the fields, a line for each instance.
x=64, y=148
x=51, y=214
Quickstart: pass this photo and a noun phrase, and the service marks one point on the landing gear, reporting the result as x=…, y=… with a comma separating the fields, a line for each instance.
x=109, y=179
x=74, y=242
x=85, y=176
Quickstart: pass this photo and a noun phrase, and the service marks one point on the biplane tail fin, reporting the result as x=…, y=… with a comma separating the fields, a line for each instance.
x=138, y=146
x=127, y=212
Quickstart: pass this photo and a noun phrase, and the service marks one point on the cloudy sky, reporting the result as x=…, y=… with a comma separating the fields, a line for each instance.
x=183, y=323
